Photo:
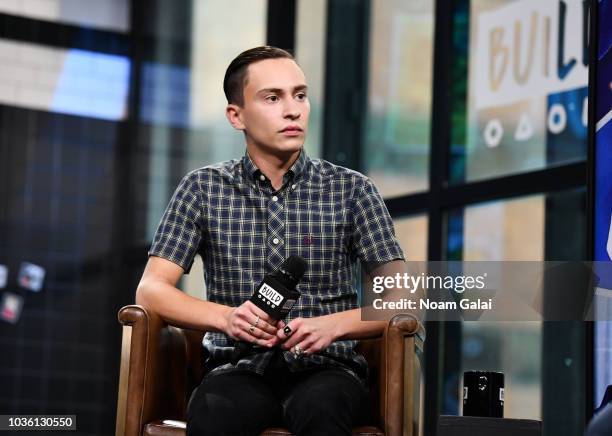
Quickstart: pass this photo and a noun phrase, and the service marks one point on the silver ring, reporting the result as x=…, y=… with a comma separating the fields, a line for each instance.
x=257, y=321
x=297, y=351
x=251, y=329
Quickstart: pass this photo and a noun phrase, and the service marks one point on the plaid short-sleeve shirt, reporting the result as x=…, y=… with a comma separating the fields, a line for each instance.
x=230, y=214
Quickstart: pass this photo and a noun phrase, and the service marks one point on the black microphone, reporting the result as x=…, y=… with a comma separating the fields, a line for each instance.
x=276, y=295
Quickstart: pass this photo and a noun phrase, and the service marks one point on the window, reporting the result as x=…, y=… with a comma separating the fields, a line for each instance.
x=107, y=14
x=399, y=100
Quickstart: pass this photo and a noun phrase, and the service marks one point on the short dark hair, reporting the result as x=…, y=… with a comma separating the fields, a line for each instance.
x=235, y=75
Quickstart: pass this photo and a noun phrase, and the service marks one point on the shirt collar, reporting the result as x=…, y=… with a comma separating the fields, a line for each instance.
x=299, y=165
x=249, y=167
x=296, y=169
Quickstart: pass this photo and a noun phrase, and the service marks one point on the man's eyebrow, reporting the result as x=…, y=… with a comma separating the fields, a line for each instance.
x=280, y=91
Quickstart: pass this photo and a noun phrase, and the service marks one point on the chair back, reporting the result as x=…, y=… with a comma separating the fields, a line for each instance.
x=195, y=361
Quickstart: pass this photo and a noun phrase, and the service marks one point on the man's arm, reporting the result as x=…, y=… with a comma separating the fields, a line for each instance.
x=157, y=291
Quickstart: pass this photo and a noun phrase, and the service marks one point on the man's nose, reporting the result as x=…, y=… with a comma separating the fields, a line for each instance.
x=292, y=110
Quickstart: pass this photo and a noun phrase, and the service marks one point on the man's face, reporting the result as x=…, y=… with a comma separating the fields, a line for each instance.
x=276, y=107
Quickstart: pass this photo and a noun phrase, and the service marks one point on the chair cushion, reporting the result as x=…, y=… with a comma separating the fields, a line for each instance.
x=177, y=428
x=165, y=428
x=357, y=431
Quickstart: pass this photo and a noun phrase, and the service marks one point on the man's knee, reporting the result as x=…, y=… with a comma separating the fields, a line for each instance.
x=209, y=414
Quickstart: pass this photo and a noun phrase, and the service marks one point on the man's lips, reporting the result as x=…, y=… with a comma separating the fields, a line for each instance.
x=292, y=129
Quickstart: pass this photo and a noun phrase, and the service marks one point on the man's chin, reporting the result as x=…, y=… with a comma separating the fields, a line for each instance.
x=285, y=150
x=288, y=149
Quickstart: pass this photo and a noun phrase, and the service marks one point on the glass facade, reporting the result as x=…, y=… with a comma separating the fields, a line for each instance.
x=526, y=90
x=310, y=31
x=108, y=14
x=518, y=92
x=412, y=234
x=68, y=81
x=399, y=96
x=188, y=128
x=506, y=230
x=532, y=355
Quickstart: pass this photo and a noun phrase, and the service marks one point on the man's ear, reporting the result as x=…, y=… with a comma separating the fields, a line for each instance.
x=233, y=112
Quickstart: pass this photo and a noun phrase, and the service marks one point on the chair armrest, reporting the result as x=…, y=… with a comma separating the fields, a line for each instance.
x=152, y=380
x=402, y=341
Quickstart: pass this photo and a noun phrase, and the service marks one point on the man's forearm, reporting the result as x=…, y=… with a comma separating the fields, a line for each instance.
x=246, y=322
x=180, y=309
x=349, y=325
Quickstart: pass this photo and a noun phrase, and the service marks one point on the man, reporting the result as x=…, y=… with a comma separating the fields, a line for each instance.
x=245, y=217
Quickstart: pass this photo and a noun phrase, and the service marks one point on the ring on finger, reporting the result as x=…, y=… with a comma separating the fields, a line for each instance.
x=297, y=351
x=257, y=321
x=251, y=329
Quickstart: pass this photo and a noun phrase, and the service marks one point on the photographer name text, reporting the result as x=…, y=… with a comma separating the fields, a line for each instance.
x=427, y=304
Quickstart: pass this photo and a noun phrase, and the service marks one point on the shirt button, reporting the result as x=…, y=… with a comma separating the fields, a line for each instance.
x=262, y=178
x=292, y=186
x=275, y=241
x=275, y=198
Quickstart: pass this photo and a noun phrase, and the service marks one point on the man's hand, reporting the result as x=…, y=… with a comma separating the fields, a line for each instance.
x=311, y=335
x=249, y=323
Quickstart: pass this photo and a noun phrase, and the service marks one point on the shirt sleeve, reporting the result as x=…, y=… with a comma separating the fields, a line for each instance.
x=179, y=232
x=374, y=240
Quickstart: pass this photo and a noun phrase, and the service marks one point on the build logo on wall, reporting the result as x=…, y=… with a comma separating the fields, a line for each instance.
x=528, y=85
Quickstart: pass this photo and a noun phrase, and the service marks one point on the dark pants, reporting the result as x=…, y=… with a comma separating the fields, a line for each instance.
x=315, y=402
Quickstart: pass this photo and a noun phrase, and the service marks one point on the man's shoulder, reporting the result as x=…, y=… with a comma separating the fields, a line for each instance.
x=330, y=172
x=216, y=172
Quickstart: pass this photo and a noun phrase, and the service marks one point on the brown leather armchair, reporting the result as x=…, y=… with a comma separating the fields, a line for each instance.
x=162, y=364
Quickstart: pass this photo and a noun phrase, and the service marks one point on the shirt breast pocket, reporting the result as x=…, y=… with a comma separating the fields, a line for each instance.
x=323, y=240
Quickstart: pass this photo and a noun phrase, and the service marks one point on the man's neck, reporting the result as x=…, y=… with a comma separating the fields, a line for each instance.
x=273, y=166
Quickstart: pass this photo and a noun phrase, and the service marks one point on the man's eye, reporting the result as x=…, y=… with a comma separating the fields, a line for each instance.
x=301, y=96
x=272, y=98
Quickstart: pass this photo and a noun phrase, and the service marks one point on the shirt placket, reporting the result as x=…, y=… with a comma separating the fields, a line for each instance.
x=276, y=231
